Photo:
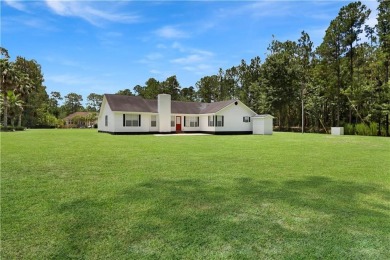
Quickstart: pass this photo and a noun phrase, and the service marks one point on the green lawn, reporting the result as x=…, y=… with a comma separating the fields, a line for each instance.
x=81, y=194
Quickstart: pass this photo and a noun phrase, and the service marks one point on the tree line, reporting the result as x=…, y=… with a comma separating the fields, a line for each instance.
x=343, y=81
x=25, y=102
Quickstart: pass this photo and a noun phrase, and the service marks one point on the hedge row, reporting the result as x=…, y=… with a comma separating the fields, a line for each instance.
x=364, y=129
x=12, y=128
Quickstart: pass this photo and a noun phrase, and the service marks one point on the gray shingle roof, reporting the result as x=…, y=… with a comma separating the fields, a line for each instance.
x=138, y=104
x=130, y=103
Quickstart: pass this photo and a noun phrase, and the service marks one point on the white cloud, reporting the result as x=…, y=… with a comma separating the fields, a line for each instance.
x=17, y=24
x=16, y=4
x=256, y=9
x=110, y=39
x=71, y=79
x=154, y=56
x=64, y=61
x=188, y=59
x=194, y=55
x=200, y=69
x=151, y=59
x=86, y=11
x=178, y=46
x=372, y=5
x=170, y=32
x=161, y=46
x=181, y=48
x=157, y=72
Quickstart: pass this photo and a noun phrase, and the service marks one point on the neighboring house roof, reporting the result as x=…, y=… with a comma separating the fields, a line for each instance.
x=81, y=114
x=138, y=104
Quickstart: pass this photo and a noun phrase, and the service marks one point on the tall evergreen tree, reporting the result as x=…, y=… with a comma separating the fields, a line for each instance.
x=73, y=103
x=383, y=29
x=331, y=52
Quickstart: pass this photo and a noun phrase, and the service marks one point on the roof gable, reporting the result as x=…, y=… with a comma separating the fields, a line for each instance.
x=216, y=106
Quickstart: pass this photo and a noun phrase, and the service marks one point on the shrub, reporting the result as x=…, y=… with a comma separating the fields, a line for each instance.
x=19, y=128
x=44, y=126
x=6, y=128
x=349, y=129
x=362, y=129
x=373, y=129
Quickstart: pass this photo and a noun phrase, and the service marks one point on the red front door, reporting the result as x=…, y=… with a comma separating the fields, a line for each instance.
x=178, y=124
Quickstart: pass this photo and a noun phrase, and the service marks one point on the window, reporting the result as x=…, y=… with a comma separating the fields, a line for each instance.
x=153, y=122
x=219, y=120
x=211, y=120
x=191, y=121
x=246, y=119
x=106, y=120
x=172, y=121
x=132, y=120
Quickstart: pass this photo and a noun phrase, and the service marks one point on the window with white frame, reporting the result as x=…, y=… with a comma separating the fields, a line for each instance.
x=172, y=121
x=246, y=119
x=133, y=120
x=106, y=120
x=191, y=121
x=219, y=121
x=211, y=120
x=153, y=121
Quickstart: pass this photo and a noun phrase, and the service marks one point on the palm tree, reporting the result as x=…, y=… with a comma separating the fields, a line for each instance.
x=12, y=79
x=23, y=90
x=15, y=105
x=8, y=81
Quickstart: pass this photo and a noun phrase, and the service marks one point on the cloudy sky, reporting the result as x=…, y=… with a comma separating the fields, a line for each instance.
x=106, y=46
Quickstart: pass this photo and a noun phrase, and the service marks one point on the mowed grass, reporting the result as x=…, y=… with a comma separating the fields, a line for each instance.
x=85, y=195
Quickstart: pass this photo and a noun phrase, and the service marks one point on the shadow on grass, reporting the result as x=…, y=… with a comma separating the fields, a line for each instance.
x=81, y=229
x=245, y=218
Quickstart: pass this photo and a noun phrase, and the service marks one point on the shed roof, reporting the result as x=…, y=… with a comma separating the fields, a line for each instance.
x=138, y=104
x=263, y=116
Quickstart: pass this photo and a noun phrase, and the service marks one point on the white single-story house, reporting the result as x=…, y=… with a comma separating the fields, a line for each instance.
x=121, y=114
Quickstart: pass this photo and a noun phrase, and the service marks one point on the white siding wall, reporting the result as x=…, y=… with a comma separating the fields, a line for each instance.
x=258, y=126
x=233, y=121
x=188, y=128
x=164, y=110
x=145, y=123
x=204, y=124
x=154, y=128
x=233, y=118
x=106, y=111
x=262, y=126
x=268, y=126
x=173, y=128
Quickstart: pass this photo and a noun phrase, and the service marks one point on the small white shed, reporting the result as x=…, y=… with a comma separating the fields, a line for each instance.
x=263, y=124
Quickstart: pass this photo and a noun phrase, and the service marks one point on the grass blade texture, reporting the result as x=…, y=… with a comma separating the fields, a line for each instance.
x=85, y=195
